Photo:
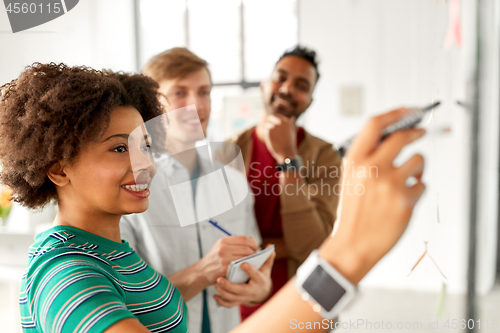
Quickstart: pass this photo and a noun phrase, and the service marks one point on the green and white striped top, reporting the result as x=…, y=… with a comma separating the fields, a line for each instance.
x=77, y=281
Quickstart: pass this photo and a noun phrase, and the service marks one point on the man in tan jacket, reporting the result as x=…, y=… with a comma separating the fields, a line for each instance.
x=294, y=175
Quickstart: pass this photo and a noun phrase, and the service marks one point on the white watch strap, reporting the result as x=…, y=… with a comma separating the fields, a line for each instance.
x=323, y=286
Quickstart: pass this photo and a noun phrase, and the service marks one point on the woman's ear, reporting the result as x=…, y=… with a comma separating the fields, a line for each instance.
x=57, y=175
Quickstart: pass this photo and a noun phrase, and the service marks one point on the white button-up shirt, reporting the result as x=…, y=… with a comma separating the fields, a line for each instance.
x=157, y=236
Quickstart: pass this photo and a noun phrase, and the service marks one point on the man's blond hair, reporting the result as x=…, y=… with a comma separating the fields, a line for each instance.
x=175, y=63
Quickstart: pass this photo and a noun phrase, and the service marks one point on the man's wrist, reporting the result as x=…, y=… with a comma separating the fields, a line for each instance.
x=201, y=278
x=268, y=294
x=263, y=299
x=292, y=164
x=280, y=158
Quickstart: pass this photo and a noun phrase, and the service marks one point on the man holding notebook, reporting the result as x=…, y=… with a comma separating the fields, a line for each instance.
x=196, y=257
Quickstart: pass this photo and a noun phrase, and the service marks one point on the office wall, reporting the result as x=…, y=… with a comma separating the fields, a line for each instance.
x=99, y=34
x=393, y=50
x=95, y=33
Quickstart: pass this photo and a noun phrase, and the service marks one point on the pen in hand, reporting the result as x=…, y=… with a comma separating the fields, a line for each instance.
x=215, y=224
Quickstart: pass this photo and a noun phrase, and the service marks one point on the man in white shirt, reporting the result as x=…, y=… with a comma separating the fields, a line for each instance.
x=195, y=257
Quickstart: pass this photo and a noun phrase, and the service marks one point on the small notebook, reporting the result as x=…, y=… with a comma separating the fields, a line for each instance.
x=236, y=275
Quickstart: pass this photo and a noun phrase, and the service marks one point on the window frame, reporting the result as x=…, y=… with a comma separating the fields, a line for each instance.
x=243, y=83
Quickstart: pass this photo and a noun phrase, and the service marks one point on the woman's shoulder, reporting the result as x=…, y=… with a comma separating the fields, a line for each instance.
x=63, y=243
x=61, y=252
x=68, y=275
x=62, y=236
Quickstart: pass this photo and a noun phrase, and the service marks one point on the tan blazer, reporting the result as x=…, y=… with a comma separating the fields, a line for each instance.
x=309, y=212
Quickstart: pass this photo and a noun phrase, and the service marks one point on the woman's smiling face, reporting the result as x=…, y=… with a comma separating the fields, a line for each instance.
x=102, y=178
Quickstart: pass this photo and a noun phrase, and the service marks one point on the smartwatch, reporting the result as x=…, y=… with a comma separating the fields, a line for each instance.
x=321, y=285
x=291, y=163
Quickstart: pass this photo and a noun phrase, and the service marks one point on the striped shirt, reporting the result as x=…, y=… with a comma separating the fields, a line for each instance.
x=77, y=281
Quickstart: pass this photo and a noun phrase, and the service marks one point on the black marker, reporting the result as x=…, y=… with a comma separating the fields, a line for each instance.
x=416, y=115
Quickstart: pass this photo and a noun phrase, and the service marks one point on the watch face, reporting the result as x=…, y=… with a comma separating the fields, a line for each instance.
x=323, y=288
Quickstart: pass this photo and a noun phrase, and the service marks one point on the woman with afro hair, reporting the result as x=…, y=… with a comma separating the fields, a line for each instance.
x=65, y=139
x=66, y=135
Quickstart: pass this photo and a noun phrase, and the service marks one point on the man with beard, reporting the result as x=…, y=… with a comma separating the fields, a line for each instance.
x=294, y=175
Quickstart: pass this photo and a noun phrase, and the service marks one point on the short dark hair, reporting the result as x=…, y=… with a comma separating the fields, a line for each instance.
x=51, y=112
x=304, y=53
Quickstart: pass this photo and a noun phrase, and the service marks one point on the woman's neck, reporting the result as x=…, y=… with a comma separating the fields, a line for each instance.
x=107, y=226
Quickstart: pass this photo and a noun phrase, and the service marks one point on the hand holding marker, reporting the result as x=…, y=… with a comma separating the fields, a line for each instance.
x=414, y=117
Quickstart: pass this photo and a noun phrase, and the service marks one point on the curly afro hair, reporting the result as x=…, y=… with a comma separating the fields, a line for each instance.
x=51, y=112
